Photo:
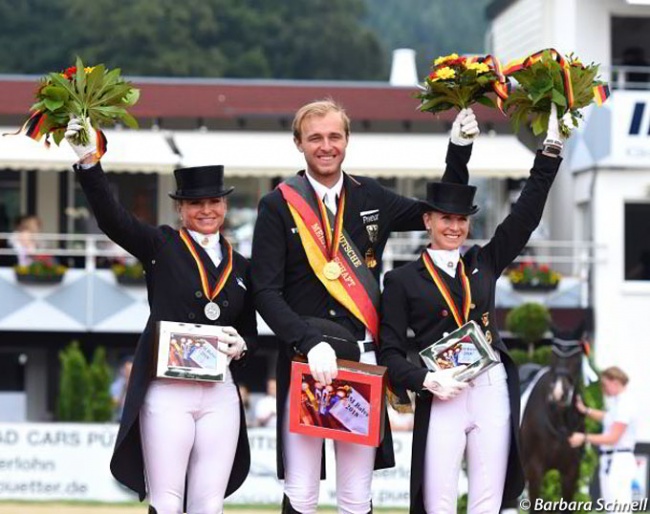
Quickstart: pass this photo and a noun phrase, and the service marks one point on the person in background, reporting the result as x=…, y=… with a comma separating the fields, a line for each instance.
x=119, y=387
x=435, y=295
x=24, y=239
x=266, y=407
x=301, y=292
x=182, y=444
x=616, y=442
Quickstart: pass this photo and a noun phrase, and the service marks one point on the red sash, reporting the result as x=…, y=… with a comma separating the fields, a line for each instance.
x=356, y=288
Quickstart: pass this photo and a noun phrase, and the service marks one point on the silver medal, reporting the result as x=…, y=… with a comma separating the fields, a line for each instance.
x=212, y=311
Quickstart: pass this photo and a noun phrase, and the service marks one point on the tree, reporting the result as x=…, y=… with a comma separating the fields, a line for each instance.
x=200, y=38
x=100, y=406
x=431, y=28
x=529, y=322
x=74, y=385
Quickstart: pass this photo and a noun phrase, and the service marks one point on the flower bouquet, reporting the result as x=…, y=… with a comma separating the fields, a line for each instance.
x=546, y=77
x=42, y=270
x=458, y=82
x=92, y=93
x=529, y=276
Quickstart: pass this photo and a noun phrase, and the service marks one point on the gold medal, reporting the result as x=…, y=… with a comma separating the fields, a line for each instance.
x=332, y=270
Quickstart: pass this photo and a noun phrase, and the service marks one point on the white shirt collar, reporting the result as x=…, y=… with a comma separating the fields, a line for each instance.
x=447, y=260
x=321, y=189
x=206, y=240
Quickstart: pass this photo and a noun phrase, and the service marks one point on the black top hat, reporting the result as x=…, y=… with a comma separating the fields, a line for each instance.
x=199, y=182
x=450, y=198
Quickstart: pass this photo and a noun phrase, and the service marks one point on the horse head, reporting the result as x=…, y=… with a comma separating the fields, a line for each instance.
x=568, y=349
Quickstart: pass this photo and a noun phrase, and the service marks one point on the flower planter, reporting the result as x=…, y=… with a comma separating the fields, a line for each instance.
x=38, y=279
x=127, y=280
x=534, y=288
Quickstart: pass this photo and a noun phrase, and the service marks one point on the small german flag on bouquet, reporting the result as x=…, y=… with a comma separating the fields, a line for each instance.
x=547, y=76
x=91, y=93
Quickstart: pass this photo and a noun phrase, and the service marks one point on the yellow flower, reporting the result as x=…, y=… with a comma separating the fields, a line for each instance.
x=88, y=69
x=444, y=74
x=446, y=58
x=480, y=67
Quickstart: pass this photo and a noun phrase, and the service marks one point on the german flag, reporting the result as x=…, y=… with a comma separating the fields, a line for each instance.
x=601, y=94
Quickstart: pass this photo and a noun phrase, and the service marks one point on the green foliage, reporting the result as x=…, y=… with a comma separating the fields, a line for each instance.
x=194, y=38
x=84, y=390
x=541, y=356
x=461, y=504
x=542, y=83
x=101, y=403
x=529, y=322
x=430, y=28
x=95, y=93
x=74, y=385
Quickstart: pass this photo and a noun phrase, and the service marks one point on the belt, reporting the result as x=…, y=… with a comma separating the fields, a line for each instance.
x=615, y=450
x=610, y=454
x=366, y=346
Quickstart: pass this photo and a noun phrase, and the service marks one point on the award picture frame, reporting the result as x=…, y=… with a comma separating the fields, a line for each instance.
x=351, y=409
x=466, y=345
x=188, y=351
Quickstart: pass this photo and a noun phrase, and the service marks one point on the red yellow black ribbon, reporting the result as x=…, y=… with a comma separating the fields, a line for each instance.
x=333, y=238
x=520, y=64
x=461, y=318
x=225, y=274
x=501, y=85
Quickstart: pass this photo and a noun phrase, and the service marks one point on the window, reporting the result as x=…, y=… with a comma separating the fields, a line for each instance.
x=637, y=241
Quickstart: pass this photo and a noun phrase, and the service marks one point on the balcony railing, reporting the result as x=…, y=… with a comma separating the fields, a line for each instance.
x=90, y=298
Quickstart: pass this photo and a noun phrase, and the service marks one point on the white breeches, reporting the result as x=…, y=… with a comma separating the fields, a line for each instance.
x=302, y=464
x=476, y=424
x=189, y=427
x=616, y=485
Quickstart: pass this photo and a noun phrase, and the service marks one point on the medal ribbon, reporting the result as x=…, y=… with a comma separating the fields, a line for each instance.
x=501, y=85
x=446, y=294
x=333, y=239
x=199, y=264
x=519, y=64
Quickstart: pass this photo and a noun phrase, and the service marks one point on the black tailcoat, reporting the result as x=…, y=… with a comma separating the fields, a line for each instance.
x=175, y=294
x=412, y=300
x=286, y=287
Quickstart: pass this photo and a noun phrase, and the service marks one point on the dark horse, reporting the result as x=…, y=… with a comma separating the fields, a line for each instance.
x=549, y=418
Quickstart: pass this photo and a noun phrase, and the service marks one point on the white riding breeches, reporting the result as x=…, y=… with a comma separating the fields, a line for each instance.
x=475, y=424
x=302, y=465
x=189, y=427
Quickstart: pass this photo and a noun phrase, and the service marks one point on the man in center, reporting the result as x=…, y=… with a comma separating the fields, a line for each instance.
x=316, y=258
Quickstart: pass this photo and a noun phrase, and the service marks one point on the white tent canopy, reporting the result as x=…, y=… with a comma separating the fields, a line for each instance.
x=144, y=151
x=377, y=155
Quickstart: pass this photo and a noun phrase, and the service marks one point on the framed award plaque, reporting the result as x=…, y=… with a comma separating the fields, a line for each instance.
x=189, y=352
x=351, y=409
x=464, y=346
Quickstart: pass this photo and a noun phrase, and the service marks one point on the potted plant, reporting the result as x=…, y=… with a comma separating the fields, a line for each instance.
x=529, y=322
x=533, y=277
x=129, y=274
x=42, y=270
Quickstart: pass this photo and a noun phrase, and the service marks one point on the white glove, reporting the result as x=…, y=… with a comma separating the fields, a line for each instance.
x=465, y=128
x=443, y=383
x=233, y=345
x=75, y=125
x=322, y=363
x=553, y=136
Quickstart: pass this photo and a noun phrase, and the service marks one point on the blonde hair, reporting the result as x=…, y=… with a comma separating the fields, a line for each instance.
x=615, y=373
x=318, y=108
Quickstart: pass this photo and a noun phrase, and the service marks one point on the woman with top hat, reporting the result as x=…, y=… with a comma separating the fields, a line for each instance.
x=181, y=443
x=437, y=294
